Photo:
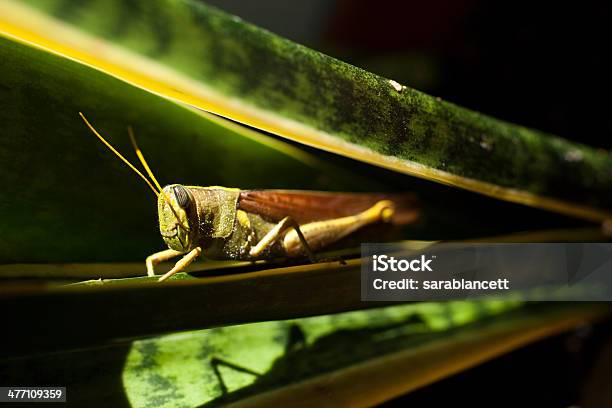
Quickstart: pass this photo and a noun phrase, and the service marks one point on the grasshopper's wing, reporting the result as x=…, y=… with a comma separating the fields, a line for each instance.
x=308, y=206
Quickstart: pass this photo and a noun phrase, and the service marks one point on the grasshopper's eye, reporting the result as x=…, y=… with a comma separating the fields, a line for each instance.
x=182, y=197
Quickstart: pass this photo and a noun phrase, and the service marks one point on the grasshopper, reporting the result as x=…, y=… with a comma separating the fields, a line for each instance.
x=232, y=224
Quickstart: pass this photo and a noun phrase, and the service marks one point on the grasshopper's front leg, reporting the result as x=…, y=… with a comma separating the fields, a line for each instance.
x=158, y=257
x=182, y=264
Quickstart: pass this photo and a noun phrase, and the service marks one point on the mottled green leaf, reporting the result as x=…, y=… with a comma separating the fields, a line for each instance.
x=186, y=50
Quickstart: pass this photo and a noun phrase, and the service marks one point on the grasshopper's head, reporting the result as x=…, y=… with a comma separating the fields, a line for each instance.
x=175, y=208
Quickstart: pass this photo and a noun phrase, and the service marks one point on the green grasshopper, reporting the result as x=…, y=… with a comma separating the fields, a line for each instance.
x=232, y=224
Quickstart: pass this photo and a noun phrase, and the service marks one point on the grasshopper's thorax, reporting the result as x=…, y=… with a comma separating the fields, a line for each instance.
x=198, y=216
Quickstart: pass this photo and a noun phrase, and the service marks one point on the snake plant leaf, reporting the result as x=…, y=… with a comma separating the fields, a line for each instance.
x=218, y=366
x=193, y=53
x=395, y=374
x=285, y=362
x=111, y=309
x=108, y=310
x=87, y=205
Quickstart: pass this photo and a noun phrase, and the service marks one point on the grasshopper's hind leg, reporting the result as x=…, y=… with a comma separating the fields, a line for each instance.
x=311, y=237
x=321, y=234
x=158, y=257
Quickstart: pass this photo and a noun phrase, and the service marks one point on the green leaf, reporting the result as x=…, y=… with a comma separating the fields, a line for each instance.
x=392, y=350
x=67, y=198
x=196, y=54
x=261, y=356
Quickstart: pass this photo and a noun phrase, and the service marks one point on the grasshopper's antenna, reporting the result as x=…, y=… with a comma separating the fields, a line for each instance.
x=112, y=149
x=141, y=158
x=150, y=173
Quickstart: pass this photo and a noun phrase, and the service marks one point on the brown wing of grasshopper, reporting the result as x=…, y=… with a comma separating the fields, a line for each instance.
x=309, y=206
